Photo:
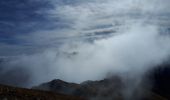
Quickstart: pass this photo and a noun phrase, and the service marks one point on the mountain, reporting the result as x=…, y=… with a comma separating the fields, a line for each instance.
x=161, y=79
x=107, y=89
x=89, y=89
x=14, y=93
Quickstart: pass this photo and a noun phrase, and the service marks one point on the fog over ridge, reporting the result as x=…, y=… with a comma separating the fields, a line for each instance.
x=97, y=37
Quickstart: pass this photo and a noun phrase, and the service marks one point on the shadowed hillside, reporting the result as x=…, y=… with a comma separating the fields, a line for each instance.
x=161, y=76
x=107, y=89
x=13, y=93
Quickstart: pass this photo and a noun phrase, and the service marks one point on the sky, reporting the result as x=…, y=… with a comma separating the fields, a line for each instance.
x=79, y=40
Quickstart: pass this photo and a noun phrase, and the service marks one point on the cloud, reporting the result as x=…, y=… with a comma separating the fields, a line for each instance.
x=135, y=51
x=75, y=53
x=82, y=18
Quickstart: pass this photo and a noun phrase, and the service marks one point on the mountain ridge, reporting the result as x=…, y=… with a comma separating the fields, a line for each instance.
x=107, y=89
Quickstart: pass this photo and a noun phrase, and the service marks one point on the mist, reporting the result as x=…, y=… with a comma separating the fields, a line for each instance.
x=100, y=37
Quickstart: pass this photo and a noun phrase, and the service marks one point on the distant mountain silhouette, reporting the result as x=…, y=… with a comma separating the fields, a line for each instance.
x=107, y=89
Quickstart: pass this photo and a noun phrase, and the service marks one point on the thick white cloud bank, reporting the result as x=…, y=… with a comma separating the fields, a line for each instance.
x=135, y=51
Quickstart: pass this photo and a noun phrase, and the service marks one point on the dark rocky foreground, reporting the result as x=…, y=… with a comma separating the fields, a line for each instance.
x=13, y=93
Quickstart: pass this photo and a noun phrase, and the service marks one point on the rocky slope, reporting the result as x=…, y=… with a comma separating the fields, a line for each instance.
x=14, y=93
x=161, y=80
